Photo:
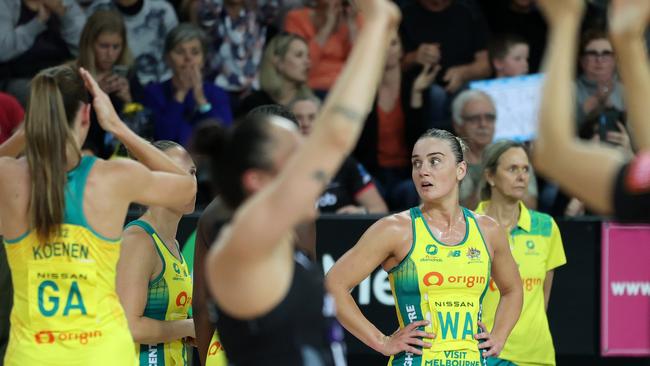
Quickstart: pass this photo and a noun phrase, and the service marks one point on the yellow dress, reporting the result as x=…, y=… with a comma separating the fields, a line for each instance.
x=169, y=298
x=66, y=310
x=445, y=285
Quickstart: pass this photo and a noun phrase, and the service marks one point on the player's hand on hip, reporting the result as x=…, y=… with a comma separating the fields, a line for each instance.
x=408, y=339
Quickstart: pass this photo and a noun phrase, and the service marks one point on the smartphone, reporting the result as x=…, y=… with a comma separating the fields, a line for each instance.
x=120, y=70
x=607, y=121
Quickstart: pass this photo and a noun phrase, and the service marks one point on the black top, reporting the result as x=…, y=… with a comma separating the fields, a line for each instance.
x=459, y=32
x=255, y=99
x=300, y=331
x=531, y=26
x=350, y=181
x=632, y=190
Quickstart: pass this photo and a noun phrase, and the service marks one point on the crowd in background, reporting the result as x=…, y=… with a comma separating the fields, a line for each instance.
x=172, y=67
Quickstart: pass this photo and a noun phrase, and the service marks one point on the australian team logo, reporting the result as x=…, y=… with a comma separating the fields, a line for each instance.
x=473, y=253
x=530, y=248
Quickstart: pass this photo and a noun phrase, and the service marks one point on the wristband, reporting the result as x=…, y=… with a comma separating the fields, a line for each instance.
x=205, y=108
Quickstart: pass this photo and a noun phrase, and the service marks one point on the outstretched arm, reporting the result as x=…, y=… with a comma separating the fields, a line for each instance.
x=628, y=20
x=290, y=198
x=584, y=170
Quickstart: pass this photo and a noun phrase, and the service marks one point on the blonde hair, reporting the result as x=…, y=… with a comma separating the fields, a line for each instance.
x=271, y=81
x=56, y=95
x=102, y=21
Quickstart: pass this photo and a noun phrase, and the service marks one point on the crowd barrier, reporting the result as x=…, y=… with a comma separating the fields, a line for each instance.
x=615, y=274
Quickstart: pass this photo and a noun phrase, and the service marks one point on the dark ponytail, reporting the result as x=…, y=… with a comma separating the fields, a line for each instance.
x=56, y=95
x=246, y=146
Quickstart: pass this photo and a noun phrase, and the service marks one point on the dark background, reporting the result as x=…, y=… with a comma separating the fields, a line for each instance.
x=573, y=312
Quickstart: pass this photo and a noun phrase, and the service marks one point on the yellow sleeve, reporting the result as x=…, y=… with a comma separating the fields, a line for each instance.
x=556, y=255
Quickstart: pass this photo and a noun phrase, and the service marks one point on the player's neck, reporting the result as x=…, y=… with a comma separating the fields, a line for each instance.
x=164, y=221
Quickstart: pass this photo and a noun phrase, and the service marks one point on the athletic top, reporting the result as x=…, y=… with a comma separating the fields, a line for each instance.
x=169, y=298
x=66, y=310
x=300, y=331
x=536, y=245
x=444, y=284
x=632, y=190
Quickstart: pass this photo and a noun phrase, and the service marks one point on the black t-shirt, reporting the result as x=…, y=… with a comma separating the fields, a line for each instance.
x=531, y=26
x=349, y=182
x=632, y=190
x=459, y=33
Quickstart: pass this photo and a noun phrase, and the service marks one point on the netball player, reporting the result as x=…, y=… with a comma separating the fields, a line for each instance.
x=62, y=216
x=153, y=279
x=439, y=257
x=269, y=302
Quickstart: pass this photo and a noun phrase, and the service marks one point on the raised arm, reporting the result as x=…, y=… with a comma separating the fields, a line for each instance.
x=137, y=263
x=506, y=276
x=290, y=198
x=585, y=170
x=628, y=20
x=141, y=150
x=375, y=246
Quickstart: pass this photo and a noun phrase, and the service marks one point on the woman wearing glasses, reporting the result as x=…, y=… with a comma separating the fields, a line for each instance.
x=598, y=87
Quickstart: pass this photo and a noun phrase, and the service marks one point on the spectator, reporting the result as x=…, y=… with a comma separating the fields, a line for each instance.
x=11, y=116
x=34, y=35
x=509, y=56
x=329, y=29
x=445, y=33
x=474, y=117
x=186, y=99
x=283, y=74
x=104, y=52
x=536, y=245
x=147, y=24
x=598, y=87
x=352, y=191
x=394, y=124
x=519, y=17
x=238, y=32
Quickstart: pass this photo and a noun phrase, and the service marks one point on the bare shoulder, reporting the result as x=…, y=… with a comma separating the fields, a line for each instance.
x=486, y=223
x=137, y=241
x=8, y=162
x=13, y=170
x=118, y=166
x=395, y=226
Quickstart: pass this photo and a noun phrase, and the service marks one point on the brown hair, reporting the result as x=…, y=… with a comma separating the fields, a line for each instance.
x=56, y=95
x=491, y=156
x=102, y=21
x=591, y=35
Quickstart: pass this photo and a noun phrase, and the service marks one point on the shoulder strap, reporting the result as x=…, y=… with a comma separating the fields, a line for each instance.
x=74, y=191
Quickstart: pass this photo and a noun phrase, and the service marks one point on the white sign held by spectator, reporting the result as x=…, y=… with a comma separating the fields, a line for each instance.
x=517, y=101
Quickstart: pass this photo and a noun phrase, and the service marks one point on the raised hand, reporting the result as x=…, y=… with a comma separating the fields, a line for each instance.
x=405, y=339
x=559, y=10
x=455, y=78
x=106, y=115
x=426, y=77
x=628, y=17
x=428, y=53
